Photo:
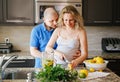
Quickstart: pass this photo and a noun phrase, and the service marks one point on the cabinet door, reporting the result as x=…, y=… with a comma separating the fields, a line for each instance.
x=18, y=11
x=97, y=12
x=0, y=11
x=114, y=65
x=116, y=13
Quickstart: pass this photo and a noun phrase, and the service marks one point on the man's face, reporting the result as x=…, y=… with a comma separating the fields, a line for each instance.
x=51, y=21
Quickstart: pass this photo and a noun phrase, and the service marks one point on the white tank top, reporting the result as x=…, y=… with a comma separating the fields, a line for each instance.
x=68, y=47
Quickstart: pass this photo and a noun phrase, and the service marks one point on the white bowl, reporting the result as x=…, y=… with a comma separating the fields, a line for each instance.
x=101, y=66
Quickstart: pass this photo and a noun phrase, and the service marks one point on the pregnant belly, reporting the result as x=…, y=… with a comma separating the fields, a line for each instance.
x=68, y=52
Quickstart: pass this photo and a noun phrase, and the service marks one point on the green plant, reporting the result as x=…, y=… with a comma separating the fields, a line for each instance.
x=56, y=73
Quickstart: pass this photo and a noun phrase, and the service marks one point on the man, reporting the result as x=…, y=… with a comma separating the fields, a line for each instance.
x=41, y=34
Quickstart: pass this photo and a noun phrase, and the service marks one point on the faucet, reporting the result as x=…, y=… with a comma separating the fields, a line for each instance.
x=1, y=60
x=3, y=67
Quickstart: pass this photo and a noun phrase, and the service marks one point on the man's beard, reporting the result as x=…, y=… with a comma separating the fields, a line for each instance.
x=51, y=28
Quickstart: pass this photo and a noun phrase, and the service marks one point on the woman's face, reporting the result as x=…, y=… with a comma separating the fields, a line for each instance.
x=68, y=20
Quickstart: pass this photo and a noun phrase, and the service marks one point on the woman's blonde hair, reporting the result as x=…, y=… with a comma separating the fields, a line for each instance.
x=72, y=10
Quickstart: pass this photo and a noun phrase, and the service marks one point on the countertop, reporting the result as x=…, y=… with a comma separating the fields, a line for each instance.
x=91, y=54
x=112, y=77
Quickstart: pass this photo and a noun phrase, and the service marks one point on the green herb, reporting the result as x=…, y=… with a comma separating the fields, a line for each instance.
x=56, y=73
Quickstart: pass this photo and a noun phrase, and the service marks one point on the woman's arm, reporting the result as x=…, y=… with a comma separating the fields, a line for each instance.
x=51, y=42
x=53, y=39
x=83, y=47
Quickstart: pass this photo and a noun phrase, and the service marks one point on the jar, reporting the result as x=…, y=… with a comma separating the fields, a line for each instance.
x=47, y=59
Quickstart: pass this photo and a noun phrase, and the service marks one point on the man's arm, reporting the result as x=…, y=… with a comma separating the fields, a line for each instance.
x=77, y=54
x=35, y=52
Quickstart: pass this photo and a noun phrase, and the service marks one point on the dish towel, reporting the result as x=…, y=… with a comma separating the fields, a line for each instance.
x=94, y=75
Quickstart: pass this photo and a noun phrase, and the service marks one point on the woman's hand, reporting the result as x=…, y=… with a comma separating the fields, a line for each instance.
x=74, y=63
x=60, y=55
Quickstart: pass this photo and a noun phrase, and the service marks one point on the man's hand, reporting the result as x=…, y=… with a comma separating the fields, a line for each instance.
x=78, y=53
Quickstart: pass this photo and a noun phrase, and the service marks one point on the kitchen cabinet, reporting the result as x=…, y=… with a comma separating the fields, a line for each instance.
x=116, y=12
x=114, y=65
x=18, y=11
x=1, y=11
x=101, y=12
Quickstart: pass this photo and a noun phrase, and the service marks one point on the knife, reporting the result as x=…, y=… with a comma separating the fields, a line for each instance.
x=65, y=60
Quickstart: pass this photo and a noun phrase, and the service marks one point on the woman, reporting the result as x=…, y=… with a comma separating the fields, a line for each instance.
x=70, y=37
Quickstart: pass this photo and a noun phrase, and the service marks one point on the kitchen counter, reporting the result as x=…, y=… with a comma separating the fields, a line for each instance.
x=112, y=77
x=21, y=55
x=91, y=54
x=114, y=66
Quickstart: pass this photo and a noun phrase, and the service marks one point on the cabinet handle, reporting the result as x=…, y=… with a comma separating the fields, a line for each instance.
x=17, y=21
x=102, y=21
x=17, y=62
x=117, y=21
x=112, y=60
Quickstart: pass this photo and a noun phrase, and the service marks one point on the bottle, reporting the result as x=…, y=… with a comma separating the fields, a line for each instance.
x=29, y=77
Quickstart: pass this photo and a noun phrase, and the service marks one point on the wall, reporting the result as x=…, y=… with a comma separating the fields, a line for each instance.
x=20, y=35
x=96, y=33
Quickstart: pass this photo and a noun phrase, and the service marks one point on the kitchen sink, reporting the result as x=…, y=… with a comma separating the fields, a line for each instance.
x=19, y=73
x=20, y=63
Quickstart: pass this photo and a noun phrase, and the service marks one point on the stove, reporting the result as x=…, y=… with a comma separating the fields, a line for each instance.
x=111, y=44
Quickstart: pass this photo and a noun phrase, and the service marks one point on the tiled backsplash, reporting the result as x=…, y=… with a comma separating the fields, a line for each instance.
x=96, y=33
x=20, y=35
